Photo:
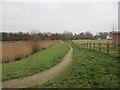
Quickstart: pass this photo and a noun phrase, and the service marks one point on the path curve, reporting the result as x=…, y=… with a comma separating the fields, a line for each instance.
x=41, y=77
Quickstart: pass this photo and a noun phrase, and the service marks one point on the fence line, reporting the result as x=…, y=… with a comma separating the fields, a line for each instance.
x=101, y=46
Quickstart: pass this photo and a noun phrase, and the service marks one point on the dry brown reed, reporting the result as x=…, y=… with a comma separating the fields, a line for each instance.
x=12, y=51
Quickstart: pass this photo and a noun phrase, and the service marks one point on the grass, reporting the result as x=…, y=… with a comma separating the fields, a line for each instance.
x=112, y=51
x=36, y=63
x=91, y=41
x=16, y=50
x=89, y=69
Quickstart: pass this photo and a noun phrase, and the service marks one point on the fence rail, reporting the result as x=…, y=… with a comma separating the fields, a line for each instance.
x=106, y=47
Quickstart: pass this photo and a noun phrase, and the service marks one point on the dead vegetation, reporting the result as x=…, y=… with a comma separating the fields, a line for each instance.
x=12, y=51
x=34, y=40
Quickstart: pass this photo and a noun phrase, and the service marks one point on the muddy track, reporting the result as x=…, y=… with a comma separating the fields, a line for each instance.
x=41, y=77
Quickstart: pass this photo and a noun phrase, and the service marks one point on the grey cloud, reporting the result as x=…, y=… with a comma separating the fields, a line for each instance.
x=60, y=16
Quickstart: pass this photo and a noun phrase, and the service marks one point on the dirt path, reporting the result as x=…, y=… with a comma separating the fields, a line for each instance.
x=41, y=77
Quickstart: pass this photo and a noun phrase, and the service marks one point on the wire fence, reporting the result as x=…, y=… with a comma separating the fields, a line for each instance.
x=103, y=47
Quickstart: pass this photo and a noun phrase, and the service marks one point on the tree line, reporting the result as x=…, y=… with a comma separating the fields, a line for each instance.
x=66, y=35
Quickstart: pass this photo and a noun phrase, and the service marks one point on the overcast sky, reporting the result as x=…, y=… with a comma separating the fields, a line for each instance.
x=59, y=16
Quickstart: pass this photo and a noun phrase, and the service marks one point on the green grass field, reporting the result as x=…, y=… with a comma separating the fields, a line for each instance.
x=35, y=63
x=112, y=51
x=91, y=41
x=89, y=69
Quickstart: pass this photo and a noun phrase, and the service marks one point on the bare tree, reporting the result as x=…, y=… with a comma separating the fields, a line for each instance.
x=34, y=40
x=67, y=36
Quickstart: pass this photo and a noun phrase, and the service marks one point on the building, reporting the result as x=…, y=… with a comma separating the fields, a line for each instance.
x=109, y=37
x=99, y=38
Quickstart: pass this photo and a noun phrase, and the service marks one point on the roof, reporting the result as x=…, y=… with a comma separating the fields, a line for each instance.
x=110, y=35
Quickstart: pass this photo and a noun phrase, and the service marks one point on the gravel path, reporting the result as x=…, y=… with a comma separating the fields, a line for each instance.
x=41, y=77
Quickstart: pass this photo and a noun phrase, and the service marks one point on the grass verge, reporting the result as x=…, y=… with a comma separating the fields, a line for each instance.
x=89, y=69
x=36, y=63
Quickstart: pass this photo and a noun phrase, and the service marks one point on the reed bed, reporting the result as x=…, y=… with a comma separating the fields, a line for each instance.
x=13, y=51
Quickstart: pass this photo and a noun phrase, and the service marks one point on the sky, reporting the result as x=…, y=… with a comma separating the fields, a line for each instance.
x=58, y=17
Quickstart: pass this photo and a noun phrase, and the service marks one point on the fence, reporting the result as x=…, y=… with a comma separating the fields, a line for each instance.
x=105, y=47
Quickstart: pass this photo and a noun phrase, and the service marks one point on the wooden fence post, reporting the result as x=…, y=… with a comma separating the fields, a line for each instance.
x=107, y=47
x=99, y=46
x=87, y=45
x=90, y=45
x=94, y=46
x=114, y=46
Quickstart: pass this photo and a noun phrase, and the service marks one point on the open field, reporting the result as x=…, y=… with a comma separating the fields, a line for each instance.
x=35, y=63
x=105, y=46
x=12, y=51
x=89, y=69
x=91, y=41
